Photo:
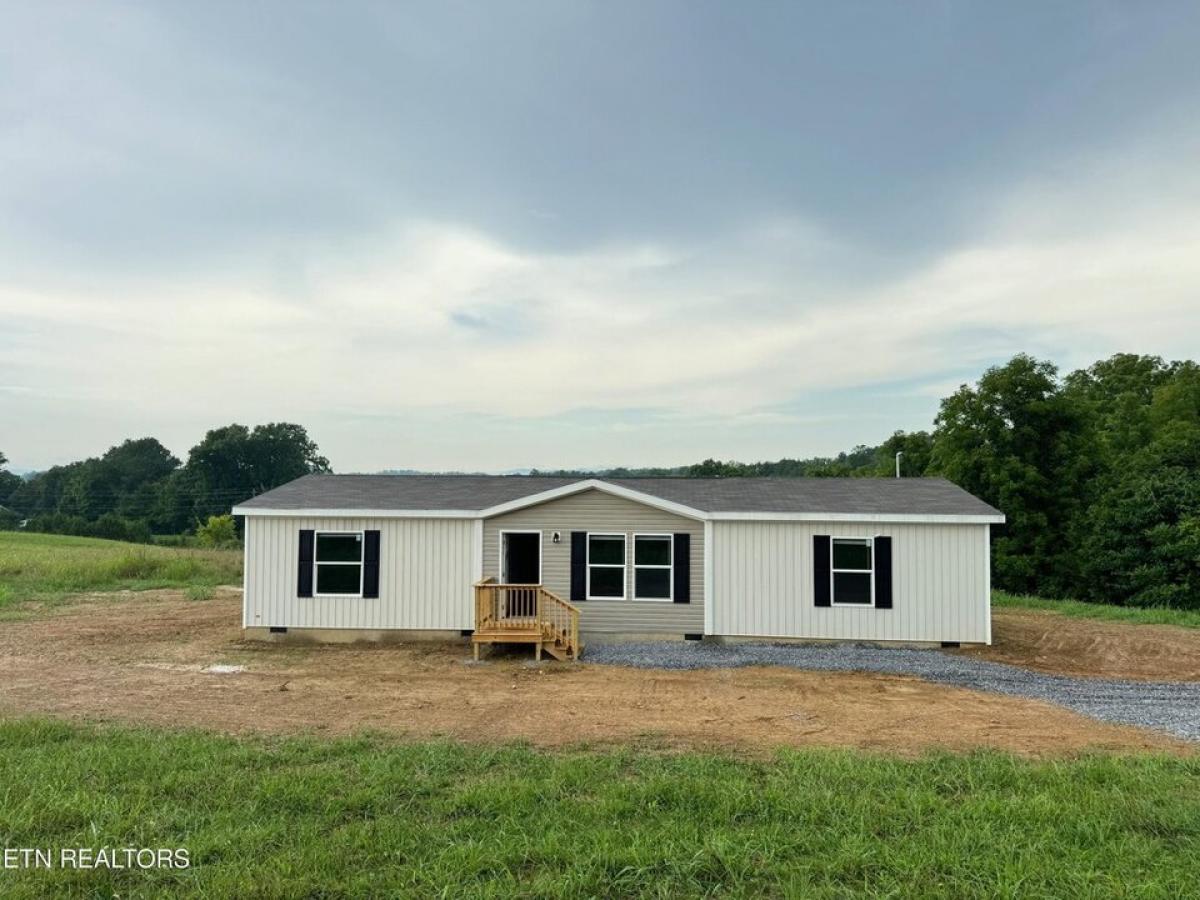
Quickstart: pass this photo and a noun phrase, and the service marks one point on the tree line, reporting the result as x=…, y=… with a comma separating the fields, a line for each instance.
x=1097, y=471
x=139, y=488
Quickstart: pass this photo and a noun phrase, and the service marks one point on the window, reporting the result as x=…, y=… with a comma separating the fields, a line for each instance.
x=338, y=563
x=653, y=561
x=606, y=567
x=852, y=571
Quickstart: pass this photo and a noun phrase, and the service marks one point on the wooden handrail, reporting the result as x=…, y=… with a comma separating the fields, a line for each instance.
x=557, y=599
x=516, y=609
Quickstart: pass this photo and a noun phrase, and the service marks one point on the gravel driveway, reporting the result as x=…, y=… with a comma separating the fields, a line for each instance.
x=1173, y=707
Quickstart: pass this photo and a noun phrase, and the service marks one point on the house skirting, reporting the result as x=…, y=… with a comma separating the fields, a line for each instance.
x=767, y=639
x=350, y=635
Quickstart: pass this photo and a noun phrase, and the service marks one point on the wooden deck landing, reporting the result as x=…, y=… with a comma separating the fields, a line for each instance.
x=525, y=614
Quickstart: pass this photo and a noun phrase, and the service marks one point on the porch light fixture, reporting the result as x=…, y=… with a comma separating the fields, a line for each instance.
x=557, y=537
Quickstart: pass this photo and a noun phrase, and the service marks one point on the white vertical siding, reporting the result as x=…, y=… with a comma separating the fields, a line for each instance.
x=426, y=569
x=762, y=583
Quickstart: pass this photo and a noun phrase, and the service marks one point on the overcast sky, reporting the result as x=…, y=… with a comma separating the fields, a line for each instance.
x=494, y=235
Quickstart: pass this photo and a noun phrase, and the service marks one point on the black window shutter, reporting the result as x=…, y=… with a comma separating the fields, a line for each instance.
x=683, y=568
x=371, y=564
x=304, y=573
x=578, y=566
x=821, y=570
x=883, y=573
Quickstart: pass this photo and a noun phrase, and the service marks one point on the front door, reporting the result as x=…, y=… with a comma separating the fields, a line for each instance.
x=521, y=563
x=522, y=557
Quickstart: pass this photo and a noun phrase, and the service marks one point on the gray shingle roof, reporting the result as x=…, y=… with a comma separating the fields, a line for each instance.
x=440, y=492
x=915, y=496
x=868, y=496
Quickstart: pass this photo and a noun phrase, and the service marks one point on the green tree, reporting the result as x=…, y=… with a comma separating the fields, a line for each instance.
x=43, y=493
x=235, y=463
x=134, y=470
x=9, y=482
x=123, y=481
x=1116, y=393
x=917, y=450
x=1140, y=541
x=1017, y=442
x=140, y=481
x=712, y=468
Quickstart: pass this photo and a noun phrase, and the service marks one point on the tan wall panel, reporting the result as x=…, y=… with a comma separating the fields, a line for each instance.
x=594, y=511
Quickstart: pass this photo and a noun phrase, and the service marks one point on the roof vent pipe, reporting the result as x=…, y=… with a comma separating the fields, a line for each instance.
x=899, y=453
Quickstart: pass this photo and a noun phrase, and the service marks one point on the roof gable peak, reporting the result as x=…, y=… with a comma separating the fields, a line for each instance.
x=597, y=484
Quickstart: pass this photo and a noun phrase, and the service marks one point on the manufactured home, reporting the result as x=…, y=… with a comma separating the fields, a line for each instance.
x=556, y=562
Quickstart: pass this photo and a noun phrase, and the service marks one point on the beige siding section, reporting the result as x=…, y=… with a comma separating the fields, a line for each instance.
x=426, y=571
x=762, y=575
x=594, y=511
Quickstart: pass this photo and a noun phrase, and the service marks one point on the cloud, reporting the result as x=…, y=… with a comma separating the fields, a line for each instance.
x=441, y=316
x=640, y=349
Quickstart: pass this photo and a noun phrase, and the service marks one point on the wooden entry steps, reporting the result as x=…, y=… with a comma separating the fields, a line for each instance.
x=525, y=614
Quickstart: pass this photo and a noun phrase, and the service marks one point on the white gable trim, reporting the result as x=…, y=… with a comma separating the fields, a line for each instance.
x=596, y=484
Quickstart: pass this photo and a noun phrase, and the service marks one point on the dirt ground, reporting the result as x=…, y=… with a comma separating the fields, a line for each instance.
x=1064, y=645
x=140, y=658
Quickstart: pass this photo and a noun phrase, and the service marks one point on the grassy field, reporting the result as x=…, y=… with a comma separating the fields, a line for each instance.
x=370, y=816
x=305, y=817
x=1187, y=618
x=50, y=566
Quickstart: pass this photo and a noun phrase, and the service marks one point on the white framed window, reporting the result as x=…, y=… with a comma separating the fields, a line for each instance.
x=605, y=566
x=338, y=564
x=653, y=567
x=852, y=571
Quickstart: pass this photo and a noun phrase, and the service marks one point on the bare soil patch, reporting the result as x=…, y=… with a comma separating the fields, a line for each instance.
x=1065, y=645
x=141, y=658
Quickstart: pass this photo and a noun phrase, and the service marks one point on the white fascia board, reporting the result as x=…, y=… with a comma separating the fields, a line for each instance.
x=896, y=518
x=358, y=513
x=595, y=484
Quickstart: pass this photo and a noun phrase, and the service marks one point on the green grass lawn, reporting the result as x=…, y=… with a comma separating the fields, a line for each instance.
x=50, y=566
x=1188, y=618
x=368, y=816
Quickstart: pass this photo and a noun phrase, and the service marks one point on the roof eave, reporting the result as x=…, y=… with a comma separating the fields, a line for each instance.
x=882, y=518
x=894, y=518
x=323, y=513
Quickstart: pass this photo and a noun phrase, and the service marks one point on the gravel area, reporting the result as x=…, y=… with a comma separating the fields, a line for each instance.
x=1173, y=707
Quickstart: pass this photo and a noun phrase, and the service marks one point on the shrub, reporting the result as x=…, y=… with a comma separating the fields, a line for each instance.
x=218, y=531
x=112, y=527
x=109, y=526
x=175, y=540
x=135, y=567
x=58, y=523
